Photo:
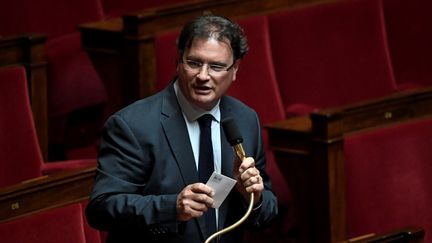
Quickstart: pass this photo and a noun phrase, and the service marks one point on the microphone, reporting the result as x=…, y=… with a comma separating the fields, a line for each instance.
x=234, y=137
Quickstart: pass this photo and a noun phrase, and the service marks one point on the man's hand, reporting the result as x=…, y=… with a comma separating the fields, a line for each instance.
x=249, y=180
x=193, y=201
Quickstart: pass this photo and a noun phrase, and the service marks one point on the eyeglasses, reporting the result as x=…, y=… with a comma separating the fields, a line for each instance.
x=213, y=69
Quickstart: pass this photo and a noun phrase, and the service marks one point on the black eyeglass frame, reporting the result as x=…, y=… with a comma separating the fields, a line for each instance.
x=210, y=67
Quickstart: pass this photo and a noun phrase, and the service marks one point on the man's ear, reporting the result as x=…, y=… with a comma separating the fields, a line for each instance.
x=236, y=68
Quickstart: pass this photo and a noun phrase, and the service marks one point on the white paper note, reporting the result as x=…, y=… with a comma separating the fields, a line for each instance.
x=222, y=185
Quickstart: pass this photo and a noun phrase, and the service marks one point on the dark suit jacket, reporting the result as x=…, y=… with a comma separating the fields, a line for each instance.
x=146, y=159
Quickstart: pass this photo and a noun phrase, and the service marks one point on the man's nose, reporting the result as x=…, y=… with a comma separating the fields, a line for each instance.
x=203, y=72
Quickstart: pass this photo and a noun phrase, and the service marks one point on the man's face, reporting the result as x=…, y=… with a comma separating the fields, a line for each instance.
x=202, y=86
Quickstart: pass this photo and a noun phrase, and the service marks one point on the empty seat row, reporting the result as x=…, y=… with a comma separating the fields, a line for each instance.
x=76, y=94
x=300, y=60
x=20, y=156
x=323, y=56
x=330, y=55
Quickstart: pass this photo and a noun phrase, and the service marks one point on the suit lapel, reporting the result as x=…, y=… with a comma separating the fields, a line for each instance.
x=176, y=132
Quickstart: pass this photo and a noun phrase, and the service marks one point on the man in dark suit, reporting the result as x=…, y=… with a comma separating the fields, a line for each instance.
x=147, y=186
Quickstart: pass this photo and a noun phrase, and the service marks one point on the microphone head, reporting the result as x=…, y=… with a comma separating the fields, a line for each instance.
x=231, y=131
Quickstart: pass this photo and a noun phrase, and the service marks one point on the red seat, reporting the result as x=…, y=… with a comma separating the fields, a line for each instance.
x=50, y=17
x=115, y=8
x=59, y=225
x=63, y=224
x=73, y=84
x=330, y=54
x=409, y=31
x=20, y=156
x=166, y=58
x=388, y=182
x=257, y=87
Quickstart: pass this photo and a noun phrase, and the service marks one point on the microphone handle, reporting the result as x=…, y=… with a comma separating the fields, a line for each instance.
x=240, y=153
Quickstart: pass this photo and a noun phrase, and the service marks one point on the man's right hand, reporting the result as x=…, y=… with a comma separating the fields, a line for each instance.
x=193, y=201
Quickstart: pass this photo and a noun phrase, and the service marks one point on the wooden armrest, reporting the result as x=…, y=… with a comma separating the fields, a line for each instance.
x=409, y=235
x=45, y=192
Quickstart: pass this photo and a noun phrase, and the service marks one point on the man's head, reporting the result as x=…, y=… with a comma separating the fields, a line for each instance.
x=209, y=52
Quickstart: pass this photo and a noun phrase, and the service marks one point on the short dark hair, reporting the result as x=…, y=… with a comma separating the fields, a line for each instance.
x=212, y=26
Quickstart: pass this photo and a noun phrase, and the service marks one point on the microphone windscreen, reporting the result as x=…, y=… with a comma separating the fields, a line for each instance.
x=231, y=131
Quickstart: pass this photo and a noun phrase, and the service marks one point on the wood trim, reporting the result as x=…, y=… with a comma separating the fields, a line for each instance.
x=45, y=192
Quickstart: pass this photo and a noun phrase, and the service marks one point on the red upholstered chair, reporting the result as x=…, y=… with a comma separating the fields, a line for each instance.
x=166, y=58
x=50, y=17
x=409, y=31
x=256, y=86
x=20, y=156
x=63, y=224
x=388, y=182
x=330, y=54
x=73, y=85
x=115, y=8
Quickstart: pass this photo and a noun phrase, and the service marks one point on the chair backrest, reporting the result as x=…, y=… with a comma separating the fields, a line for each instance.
x=73, y=81
x=114, y=8
x=50, y=17
x=388, y=178
x=63, y=224
x=18, y=139
x=166, y=55
x=330, y=54
x=257, y=87
x=409, y=31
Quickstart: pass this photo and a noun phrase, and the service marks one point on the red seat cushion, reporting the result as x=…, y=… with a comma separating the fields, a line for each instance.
x=115, y=8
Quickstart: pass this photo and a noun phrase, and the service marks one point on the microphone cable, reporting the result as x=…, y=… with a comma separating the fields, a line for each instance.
x=236, y=224
x=235, y=139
